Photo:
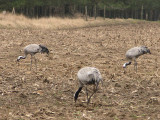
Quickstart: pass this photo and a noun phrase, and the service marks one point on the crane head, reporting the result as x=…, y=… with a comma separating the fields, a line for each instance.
x=44, y=49
x=145, y=49
x=19, y=57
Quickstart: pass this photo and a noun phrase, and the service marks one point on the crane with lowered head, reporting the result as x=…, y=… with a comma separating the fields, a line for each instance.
x=88, y=76
x=32, y=49
x=134, y=53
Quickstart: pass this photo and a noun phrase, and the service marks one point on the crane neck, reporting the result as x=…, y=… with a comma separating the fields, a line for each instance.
x=125, y=64
x=20, y=57
x=77, y=93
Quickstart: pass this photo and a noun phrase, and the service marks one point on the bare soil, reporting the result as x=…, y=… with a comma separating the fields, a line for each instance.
x=48, y=92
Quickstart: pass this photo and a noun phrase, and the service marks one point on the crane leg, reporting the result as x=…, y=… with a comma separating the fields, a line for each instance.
x=35, y=62
x=87, y=93
x=135, y=65
x=94, y=91
x=31, y=63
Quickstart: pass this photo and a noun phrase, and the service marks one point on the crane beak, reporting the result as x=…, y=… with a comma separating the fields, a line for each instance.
x=47, y=54
x=18, y=59
x=149, y=52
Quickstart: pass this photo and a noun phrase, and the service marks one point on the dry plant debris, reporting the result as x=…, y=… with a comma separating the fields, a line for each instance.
x=48, y=92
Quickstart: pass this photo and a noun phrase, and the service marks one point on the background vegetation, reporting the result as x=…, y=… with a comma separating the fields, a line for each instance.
x=137, y=9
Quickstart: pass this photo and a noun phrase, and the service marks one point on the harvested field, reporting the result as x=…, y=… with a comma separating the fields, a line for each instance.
x=48, y=92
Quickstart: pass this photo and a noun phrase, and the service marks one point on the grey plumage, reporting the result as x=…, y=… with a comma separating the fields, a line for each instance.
x=88, y=76
x=134, y=53
x=32, y=49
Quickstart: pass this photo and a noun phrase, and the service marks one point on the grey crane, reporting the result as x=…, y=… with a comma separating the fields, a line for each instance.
x=88, y=76
x=32, y=49
x=134, y=53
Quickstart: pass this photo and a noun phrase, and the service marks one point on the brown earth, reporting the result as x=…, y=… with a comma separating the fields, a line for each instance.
x=48, y=92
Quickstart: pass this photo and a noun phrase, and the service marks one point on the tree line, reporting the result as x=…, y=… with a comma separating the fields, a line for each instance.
x=136, y=9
